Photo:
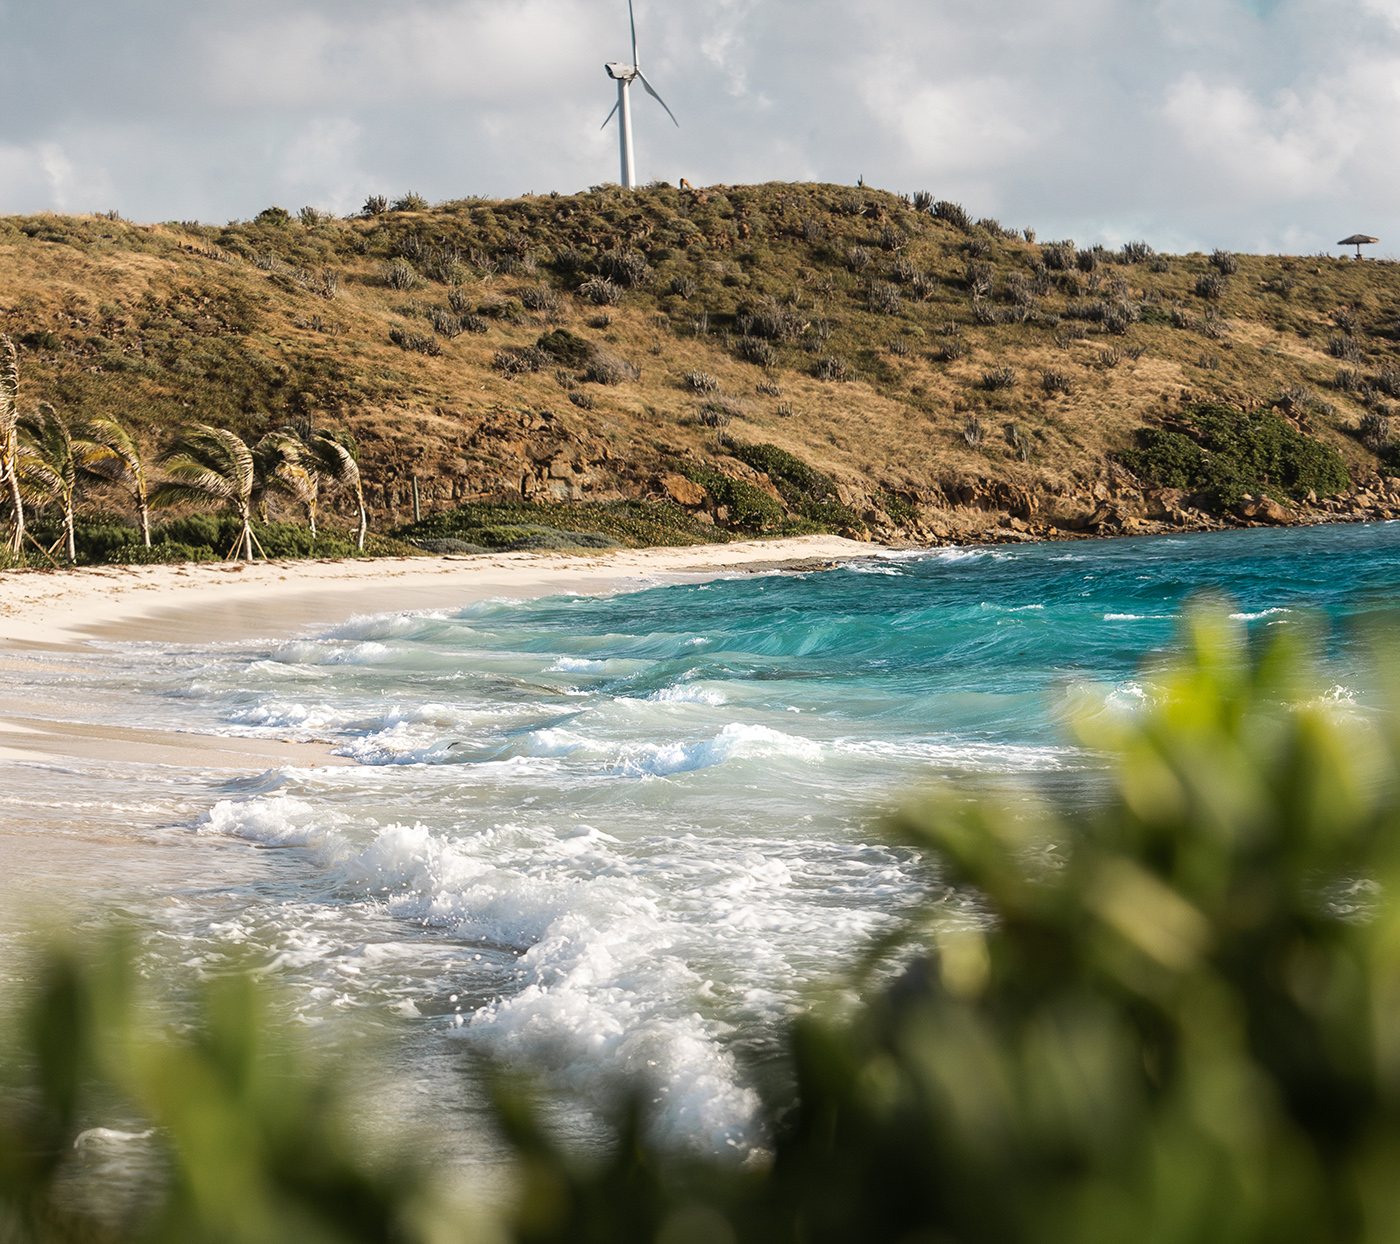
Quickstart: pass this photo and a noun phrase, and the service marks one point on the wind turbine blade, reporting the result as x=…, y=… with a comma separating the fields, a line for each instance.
x=636, y=64
x=611, y=115
x=651, y=90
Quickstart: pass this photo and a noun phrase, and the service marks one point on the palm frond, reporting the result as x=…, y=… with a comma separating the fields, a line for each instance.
x=214, y=462
x=38, y=483
x=44, y=463
x=104, y=440
x=9, y=384
x=335, y=460
x=171, y=492
x=107, y=468
x=199, y=477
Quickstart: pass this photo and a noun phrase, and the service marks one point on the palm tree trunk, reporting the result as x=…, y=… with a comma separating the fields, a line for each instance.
x=311, y=517
x=145, y=521
x=246, y=539
x=364, y=518
x=17, y=503
x=68, y=530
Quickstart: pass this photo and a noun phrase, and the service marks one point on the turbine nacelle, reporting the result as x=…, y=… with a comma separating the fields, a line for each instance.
x=619, y=72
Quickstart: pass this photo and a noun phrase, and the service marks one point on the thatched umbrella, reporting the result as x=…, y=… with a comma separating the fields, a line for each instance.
x=1357, y=240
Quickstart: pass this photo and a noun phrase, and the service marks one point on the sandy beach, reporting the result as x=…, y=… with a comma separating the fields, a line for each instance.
x=51, y=612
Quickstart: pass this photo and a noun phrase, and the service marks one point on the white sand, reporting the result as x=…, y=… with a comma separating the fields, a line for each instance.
x=51, y=609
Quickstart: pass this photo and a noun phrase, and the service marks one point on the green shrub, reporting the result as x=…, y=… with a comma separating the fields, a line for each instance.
x=1236, y=452
x=896, y=507
x=41, y=340
x=94, y=537
x=516, y=538
x=449, y=545
x=806, y=491
x=786, y=470
x=1168, y=459
x=635, y=524
x=750, y=508
x=203, y=537
x=164, y=553
x=569, y=348
x=199, y=530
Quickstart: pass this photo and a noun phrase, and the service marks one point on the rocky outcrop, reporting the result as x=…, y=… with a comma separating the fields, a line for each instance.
x=562, y=457
x=1264, y=509
x=681, y=490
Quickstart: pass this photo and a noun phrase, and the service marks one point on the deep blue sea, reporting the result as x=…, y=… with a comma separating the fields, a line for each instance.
x=633, y=834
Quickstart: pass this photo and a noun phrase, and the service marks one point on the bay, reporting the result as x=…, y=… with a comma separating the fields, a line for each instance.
x=632, y=835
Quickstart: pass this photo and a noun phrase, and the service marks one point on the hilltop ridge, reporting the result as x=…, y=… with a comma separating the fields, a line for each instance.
x=933, y=375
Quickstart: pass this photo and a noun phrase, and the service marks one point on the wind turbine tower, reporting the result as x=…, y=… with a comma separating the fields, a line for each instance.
x=624, y=76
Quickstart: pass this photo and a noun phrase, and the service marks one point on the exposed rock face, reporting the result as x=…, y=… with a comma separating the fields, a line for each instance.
x=682, y=491
x=1164, y=504
x=560, y=457
x=1066, y=513
x=1264, y=509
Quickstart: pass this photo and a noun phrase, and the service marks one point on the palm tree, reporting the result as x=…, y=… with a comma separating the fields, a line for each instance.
x=47, y=467
x=9, y=438
x=279, y=462
x=212, y=467
x=331, y=457
x=107, y=451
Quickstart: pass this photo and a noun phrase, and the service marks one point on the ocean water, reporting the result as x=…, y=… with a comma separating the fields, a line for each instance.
x=631, y=835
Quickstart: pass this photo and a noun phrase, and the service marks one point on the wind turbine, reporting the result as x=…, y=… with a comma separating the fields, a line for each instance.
x=624, y=76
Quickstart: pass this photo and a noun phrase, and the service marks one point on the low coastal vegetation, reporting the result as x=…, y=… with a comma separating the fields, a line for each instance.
x=945, y=373
x=521, y=525
x=1228, y=453
x=1170, y=1016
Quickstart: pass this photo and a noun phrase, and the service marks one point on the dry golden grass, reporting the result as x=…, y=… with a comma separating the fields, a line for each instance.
x=165, y=324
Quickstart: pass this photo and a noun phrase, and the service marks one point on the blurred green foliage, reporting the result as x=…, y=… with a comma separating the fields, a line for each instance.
x=1178, y=1020
x=1234, y=452
x=257, y=1141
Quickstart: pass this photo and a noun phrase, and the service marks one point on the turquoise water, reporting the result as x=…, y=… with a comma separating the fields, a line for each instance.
x=631, y=835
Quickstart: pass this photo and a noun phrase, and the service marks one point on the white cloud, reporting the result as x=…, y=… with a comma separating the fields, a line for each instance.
x=1190, y=122
x=953, y=127
x=322, y=162
x=1332, y=147
x=44, y=176
x=1287, y=147
x=474, y=51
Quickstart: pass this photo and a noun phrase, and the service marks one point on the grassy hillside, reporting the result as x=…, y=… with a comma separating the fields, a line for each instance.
x=610, y=346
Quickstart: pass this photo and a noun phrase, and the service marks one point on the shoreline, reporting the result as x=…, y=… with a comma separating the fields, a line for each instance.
x=67, y=610
x=44, y=609
x=45, y=614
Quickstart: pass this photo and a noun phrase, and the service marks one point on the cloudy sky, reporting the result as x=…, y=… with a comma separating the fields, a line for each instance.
x=1251, y=124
